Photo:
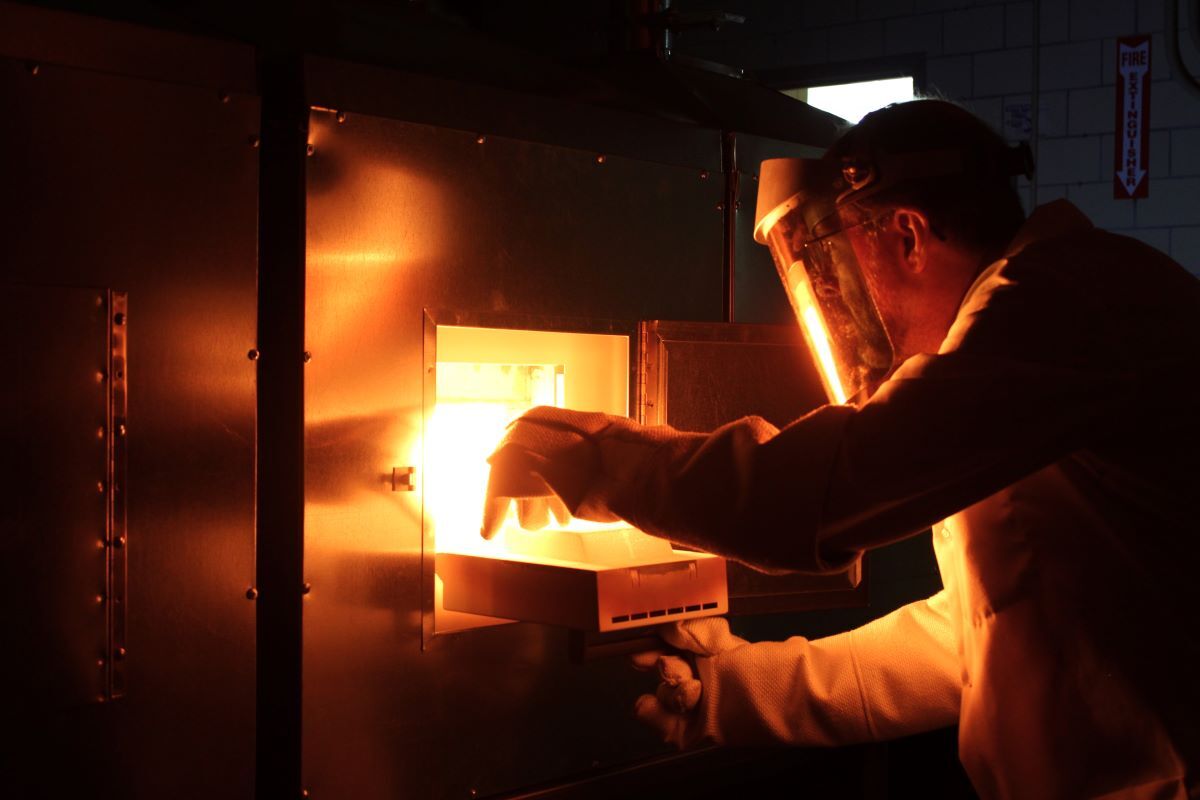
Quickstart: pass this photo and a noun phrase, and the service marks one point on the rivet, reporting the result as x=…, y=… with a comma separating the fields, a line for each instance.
x=720, y=206
x=310, y=149
x=600, y=159
x=99, y=599
x=703, y=174
x=33, y=68
x=251, y=593
x=225, y=97
x=340, y=116
x=100, y=698
x=307, y=356
x=304, y=792
x=254, y=141
x=307, y=587
x=99, y=377
x=100, y=487
x=119, y=318
x=119, y=654
x=121, y=429
x=480, y=139
x=100, y=433
x=252, y=355
x=99, y=662
x=119, y=541
x=737, y=205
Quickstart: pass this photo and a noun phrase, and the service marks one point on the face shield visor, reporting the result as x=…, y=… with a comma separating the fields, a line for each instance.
x=809, y=215
x=798, y=220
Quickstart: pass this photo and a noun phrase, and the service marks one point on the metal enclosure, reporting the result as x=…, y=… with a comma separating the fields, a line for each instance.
x=127, y=166
x=424, y=194
x=403, y=217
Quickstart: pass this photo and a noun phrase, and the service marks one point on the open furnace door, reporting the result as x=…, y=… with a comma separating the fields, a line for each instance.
x=697, y=376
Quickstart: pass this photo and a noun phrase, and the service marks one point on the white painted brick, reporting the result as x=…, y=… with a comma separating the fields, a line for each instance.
x=879, y=9
x=1095, y=19
x=1096, y=200
x=939, y=5
x=1172, y=201
x=949, y=77
x=862, y=40
x=987, y=109
x=1003, y=72
x=764, y=18
x=1185, y=247
x=747, y=52
x=913, y=34
x=1091, y=111
x=1054, y=21
x=1151, y=16
x=1185, y=151
x=1018, y=25
x=804, y=47
x=1070, y=66
x=1051, y=116
x=1160, y=153
x=1174, y=104
x=818, y=13
x=1160, y=59
x=1158, y=238
x=1072, y=159
x=974, y=29
x=1050, y=193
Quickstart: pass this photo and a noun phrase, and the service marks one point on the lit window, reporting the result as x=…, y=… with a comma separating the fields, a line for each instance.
x=853, y=101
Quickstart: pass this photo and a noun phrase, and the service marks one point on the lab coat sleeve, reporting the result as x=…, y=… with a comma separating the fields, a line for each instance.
x=1014, y=388
x=895, y=676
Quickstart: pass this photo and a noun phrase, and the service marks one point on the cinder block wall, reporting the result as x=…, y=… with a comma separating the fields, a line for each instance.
x=982, y=54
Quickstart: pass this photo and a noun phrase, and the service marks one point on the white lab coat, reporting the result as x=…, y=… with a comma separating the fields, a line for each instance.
x=1053, y=445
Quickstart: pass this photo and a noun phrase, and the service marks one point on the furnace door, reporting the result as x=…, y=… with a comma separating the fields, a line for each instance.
x=697, y=376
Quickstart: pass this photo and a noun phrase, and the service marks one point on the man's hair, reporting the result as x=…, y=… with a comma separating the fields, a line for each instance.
x=978, y=206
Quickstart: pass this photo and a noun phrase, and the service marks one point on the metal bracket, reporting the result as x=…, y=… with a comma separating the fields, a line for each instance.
x=404, y=479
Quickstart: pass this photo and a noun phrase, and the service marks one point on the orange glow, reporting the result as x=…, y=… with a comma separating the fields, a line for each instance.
x=818, y=339
x=485, y=379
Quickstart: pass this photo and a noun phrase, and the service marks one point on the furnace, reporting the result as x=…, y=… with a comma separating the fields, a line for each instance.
x=582, y=575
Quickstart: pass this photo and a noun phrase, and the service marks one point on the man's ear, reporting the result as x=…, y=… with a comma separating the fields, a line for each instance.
x=913, y=228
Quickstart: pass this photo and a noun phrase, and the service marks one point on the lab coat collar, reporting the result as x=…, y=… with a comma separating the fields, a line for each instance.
x=1049, y=221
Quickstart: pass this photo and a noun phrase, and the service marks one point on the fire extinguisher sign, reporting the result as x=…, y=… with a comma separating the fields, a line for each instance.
x=1132, y=160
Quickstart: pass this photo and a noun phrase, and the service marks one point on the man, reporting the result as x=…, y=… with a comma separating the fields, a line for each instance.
x=1026, y=388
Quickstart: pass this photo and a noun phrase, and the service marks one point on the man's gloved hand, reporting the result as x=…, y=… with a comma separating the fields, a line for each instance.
x=548, y=461
x=677, y=709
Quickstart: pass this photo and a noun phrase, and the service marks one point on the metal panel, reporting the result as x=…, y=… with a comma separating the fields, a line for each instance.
x=54, y=498
x=403, y=217
x=151, y=187
x=699, y=376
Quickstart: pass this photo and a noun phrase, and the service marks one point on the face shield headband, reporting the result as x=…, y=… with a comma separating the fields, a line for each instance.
x=800, y=205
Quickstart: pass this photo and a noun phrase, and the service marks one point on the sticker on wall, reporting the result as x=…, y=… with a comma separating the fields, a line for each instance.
x=1132, y=156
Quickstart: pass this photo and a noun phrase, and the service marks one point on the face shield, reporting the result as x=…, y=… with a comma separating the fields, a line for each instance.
x=798, y=219
x=806, y=207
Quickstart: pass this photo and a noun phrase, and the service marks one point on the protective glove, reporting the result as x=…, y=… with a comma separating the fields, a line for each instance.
x=549, y=460
x=673, y=710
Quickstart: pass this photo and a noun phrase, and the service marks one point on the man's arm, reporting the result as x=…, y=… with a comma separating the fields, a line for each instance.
x=895, y=676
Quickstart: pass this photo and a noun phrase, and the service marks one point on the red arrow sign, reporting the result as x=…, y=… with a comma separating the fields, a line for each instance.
x=1133, y=118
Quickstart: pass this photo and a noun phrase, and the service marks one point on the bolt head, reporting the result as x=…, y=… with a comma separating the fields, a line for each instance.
x=254, y=141
x=307, y=587
x=34, y=69
x=251, y=593
x=703, y=174
x=119, y=318
x=253, y=355
x=480, y=139
x=225, y=98
x=600, y=159
x=119, y=654
x=119, y=541
x=307, y=356
x=310, y=149
x=340, y=116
